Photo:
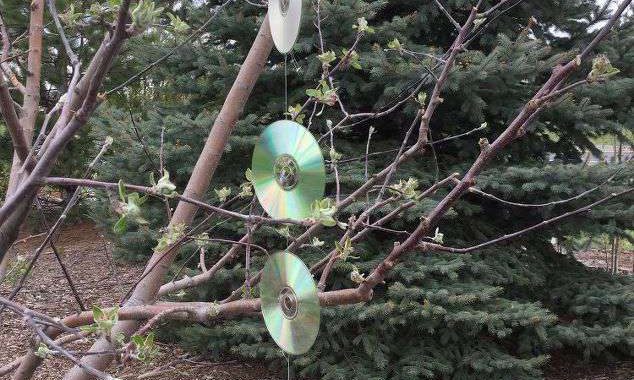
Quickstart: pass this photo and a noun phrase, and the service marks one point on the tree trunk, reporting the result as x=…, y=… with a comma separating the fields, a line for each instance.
x=31, y=103
x=203, y=172
x=30, y=107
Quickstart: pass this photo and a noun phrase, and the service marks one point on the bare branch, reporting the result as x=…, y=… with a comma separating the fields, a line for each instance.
x=154, y=192
x=513, y=131
x=74, y=61
x=451, y=19
x=435, y=247
x=6, y=48
x=10, y=116
x=51, y=343
x=539, y=205
x=435, y=98
x=53, y=229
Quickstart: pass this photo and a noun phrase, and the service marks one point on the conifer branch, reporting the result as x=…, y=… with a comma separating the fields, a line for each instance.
x=171, y=52
x=332, y=255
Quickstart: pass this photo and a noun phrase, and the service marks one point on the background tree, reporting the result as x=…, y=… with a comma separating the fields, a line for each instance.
x=494, y=312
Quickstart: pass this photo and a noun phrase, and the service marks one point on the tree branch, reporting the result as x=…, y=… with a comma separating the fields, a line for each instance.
x=435, y=98
x=512, y=132
x=10, y=116
x=426, y=247
x=451, y=19
x=151, y=191
x=481, y=193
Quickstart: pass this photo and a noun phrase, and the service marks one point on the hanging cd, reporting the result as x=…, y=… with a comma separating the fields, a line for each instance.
x=288, y=170
x=285, y=17
x=290, y=304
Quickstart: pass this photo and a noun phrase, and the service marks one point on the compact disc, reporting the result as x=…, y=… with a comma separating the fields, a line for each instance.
x=285, y=17
x=290, y=304
x=288, y=170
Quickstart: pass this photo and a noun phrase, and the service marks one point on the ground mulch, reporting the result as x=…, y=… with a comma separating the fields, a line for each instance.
x=103, y=281
x=100, y=281
x=598, y=259
x=567, y=366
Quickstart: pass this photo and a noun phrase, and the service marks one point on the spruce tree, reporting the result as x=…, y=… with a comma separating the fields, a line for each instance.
x=493, y=313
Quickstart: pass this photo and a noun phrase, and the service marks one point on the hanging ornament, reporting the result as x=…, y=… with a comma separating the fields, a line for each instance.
x=290, y=304
x=285, y=17
x=288, y=170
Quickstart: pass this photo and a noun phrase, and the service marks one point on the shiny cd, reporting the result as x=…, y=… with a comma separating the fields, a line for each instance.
x=285, y=17
x=290, y=304
x=288, y=170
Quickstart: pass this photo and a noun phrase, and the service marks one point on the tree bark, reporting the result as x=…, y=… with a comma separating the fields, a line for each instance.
x=147, y=290
x=30, y=107
x=31, y=102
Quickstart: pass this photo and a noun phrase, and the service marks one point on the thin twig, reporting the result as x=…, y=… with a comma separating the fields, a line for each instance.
x=436, y=247
x=451, y=19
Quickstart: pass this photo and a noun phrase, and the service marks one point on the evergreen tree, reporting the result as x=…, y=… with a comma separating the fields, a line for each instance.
x=494, y=313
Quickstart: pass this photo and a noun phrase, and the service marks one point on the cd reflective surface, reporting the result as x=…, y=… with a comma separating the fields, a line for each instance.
x=285, y=17
x=290, y=304
x=288, y=170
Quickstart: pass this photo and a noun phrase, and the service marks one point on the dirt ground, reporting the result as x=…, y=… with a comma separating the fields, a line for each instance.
x=87, y=255
x=598, y=259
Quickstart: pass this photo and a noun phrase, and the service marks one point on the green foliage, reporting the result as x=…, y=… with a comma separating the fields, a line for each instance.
x=17, y=269
x=145, y=348
x=406, y=189
x=323, y=93
x=164, y=186
x=171, y=236
x=104, y=321
x=323, y=211
x=43, y=351
x=145, y=14
x=345, y=250
x=129, y=209
x=495, y=313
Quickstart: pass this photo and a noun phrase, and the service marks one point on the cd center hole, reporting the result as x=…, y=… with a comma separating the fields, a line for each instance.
x=288, y=303
x=286, y=171
x=284, y=5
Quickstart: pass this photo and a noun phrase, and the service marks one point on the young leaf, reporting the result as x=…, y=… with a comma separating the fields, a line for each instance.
x=395, y=44
x=362, y=26
x=121, y=190
x=177, y=24
x=164, y=186
x=121, y=225
x=43, y=351
x=223, y=194
x=327, y=57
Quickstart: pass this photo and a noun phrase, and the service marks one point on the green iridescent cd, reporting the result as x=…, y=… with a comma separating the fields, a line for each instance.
x=290, y=304
x=288, y=170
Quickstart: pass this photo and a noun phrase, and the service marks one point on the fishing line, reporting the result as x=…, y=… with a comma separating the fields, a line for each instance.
x=285, y=85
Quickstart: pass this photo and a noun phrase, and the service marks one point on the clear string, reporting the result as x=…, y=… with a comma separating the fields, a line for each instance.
x=288, y=365
x=285, y=84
